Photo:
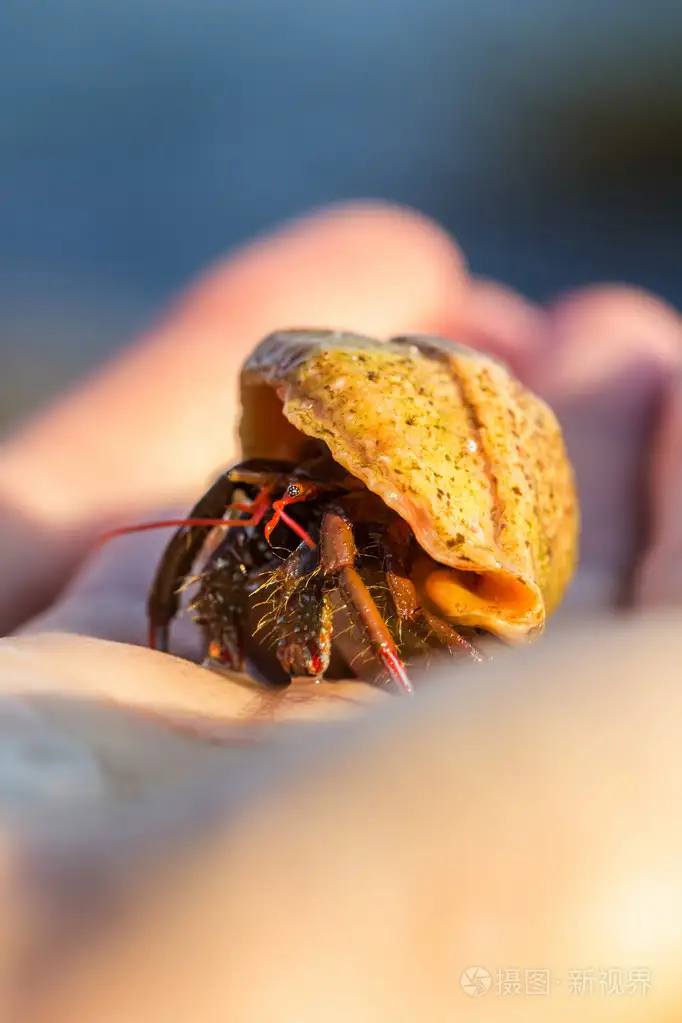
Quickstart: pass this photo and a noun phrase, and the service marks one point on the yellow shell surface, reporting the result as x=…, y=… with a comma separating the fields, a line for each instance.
x=451, y=441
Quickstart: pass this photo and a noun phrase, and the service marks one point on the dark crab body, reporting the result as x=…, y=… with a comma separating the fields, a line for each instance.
x=411, y=491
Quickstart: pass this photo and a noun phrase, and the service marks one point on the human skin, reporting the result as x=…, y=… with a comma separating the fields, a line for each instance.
x=520, y=816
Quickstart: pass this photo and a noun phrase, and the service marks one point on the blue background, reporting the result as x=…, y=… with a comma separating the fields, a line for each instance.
x=141, y=138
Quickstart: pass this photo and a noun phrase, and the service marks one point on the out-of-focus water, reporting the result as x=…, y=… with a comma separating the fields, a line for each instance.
x=140, y=139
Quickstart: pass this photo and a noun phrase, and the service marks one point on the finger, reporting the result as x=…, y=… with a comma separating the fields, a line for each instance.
x=660, y=579
x=153, y=425
x=530, y=830
x=608, y=355
x=499, y=320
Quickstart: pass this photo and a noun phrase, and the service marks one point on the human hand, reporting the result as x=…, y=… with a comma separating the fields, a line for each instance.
x=604, y=359
x=154, y=426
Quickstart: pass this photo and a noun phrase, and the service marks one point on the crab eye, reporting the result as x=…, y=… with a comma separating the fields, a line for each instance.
x=293, y=490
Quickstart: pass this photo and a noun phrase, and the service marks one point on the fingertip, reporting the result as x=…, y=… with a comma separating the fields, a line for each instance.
x=393, y=229
x=607, y=332
x=620, y=315
x=366, y=265
x=499, y=320
x=609, y=296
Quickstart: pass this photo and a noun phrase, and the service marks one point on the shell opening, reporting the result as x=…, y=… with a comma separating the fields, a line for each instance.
x=265, y=431
x=502, y=603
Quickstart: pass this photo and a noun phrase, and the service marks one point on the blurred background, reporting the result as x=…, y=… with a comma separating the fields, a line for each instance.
x=139, y=139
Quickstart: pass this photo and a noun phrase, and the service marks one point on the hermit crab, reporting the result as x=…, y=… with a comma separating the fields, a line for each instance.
x=394, y=498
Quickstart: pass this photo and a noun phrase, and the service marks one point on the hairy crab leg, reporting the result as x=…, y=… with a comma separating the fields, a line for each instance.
x=396, y=546
x=337, y=558
x=221, y=603
x=303, y=616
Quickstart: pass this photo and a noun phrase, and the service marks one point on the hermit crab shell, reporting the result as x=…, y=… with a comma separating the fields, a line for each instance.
x=450, y=440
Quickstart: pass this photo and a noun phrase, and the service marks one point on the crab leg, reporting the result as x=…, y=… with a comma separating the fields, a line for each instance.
x=220, y=605
x=396, y=546
x=304, y=616
x=185, y=546
x=337, y=558
x=178, y=558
